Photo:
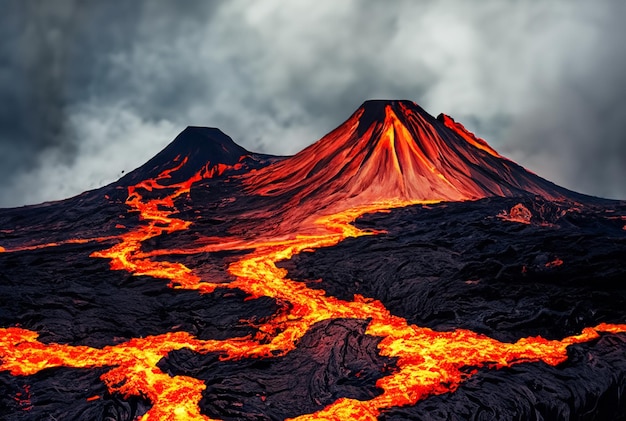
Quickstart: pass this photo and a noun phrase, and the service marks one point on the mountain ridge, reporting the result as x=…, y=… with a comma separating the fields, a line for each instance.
x=200, y=147
x=400, y=168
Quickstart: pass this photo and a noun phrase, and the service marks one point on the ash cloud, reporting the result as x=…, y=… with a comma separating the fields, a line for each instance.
x=574, y=130
x=90, y=88
x=33, y=60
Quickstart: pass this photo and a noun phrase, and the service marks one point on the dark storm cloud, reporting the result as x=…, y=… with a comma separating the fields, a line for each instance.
x=33, y=57
x=57, y=58
x=91, y=88
x=47, y=57
x=575, y=130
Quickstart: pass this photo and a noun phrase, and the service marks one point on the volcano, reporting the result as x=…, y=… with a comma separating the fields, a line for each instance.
x=394, y=150
x=399, y=268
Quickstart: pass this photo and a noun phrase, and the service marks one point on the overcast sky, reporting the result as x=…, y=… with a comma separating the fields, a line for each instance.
x=89, y=89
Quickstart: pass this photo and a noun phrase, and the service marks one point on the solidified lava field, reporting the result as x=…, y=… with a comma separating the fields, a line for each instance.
x=399, y=268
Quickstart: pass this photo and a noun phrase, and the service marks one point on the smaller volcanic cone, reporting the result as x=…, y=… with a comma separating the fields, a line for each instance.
x=394, y=151
x=200, y=148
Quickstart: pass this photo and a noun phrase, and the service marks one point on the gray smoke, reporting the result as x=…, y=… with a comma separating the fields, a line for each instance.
x=90, y=88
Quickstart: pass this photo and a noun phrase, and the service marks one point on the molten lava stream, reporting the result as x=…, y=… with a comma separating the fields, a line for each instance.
x=428, y=362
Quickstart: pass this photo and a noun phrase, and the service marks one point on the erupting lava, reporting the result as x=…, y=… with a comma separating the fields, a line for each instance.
x=359, y=177
x=392, y=152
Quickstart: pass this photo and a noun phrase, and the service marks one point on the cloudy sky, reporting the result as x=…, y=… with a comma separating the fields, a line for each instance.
x=91, y=88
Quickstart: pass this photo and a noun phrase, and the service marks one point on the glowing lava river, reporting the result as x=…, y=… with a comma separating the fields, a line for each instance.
x=427, y=362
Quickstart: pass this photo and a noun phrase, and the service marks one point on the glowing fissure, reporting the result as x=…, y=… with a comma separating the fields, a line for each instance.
x=428, y=362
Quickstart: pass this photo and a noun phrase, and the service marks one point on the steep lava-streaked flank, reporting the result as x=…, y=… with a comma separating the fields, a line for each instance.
x=428, y=362
x=460, y=129
x=389, y=151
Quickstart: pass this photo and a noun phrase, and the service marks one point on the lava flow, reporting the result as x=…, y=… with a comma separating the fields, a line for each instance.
x=427, y=362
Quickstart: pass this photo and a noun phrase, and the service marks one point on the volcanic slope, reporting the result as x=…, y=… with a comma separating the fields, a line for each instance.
x=203, y=149
x=394, y=151
x=159, y=297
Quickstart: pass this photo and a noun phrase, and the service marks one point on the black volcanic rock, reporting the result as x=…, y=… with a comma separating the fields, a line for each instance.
x=85, y=303
x=334, y=359
x=68, y=394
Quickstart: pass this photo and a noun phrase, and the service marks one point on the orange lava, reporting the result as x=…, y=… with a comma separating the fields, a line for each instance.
x=460, y=129
x=554, y=263
x=401, y=157
x=518, y=213
x=428, y=362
